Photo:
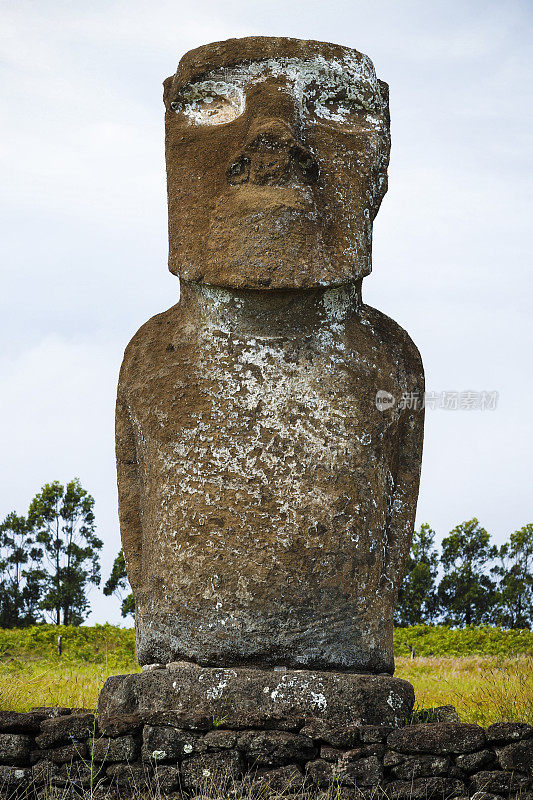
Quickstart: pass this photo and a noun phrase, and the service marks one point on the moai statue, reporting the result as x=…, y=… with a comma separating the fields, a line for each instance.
x=266, y=499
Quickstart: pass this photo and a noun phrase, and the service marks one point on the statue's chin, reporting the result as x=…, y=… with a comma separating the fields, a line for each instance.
x=268, y=238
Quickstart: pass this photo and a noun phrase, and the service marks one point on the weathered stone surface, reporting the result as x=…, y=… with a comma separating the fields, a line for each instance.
x=129, y=776
x=275, y=748
x=266, y=502
x=425, y=789
x=328, y=753
x=15, y=748
x=471, y=762
x=43, y=772
x=121, y=748
x=212, y=769
x=320, y=773
x=363, y=772
x=52, y=711
x=287, y=779
x=166, y=778
x=437, y=737
x=65, y=728
x=17, y=722
x=80, y=773
x=220, y=739
x=421, y=767
x=363, y=751
x=392, y=758
x=321, y=730
x=12, y=777
x=517, y=756
x=228, y=694
x=189, y=719
x=498, y=782
x=161, y=743
x=508, y=731
x=445, y=714
x=264, y=720
x=375, y=733
x=120, y=724
x=61, y=755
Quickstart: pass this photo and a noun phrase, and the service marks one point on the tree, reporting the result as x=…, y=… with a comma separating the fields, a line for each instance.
x=20, y=575
x=118, y=583
x=61, y=519
x=466, y=593
x=417, y=598
x=515, y=592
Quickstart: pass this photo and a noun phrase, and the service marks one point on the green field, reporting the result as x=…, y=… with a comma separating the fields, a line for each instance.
x=486, y=673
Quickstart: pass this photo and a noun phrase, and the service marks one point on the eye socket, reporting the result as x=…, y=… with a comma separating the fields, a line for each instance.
x=210, y=102
x=340, y=103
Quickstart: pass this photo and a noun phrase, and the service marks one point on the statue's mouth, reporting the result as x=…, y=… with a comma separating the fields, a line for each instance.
x=269, y=199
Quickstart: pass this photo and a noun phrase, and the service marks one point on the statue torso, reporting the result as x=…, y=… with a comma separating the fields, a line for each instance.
x=263, y=445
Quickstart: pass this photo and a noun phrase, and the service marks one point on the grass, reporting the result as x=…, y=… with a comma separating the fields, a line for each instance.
x=483, y=688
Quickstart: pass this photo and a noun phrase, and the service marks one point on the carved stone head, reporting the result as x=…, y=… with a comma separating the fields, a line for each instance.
x=277, y=152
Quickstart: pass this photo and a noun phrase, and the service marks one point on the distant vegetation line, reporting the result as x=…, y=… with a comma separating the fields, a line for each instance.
x=50, y=557
x=114, y=646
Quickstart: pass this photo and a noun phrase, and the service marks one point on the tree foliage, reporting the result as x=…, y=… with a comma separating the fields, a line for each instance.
x=21, y=576
x=514, y=570
x=466, y=592
x=417, y=598
x=61, y=519
x=118, y=583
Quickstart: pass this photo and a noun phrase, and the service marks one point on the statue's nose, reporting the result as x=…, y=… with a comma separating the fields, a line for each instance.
x=272, y=152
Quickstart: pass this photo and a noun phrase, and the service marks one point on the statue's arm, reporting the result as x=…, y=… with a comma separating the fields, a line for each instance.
x=406, y=475
x=129, y=488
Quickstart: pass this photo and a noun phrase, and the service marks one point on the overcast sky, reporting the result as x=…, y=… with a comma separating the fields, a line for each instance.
x=84, y=227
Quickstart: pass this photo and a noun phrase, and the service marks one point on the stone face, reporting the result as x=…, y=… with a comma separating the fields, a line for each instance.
x=227, y=695
x=220, y=740
x=266, y=501
x=320, y=730
x=271, y=200
x=437, y=737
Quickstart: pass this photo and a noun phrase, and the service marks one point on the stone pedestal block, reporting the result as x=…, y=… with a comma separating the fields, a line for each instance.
x=188, y=695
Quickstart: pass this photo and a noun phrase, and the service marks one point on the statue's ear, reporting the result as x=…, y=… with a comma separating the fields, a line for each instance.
x=167, y=91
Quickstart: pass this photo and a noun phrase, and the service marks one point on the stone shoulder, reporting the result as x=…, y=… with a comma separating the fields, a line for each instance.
x=150, y=336
x=395, y=340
